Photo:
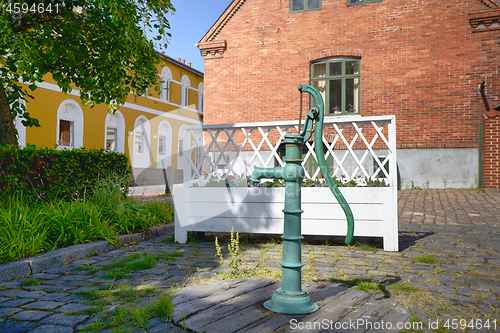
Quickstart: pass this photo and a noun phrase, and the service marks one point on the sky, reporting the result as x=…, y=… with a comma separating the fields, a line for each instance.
x=188, y=25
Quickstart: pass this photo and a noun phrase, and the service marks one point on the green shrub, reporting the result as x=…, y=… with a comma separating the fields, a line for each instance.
x=48, y=173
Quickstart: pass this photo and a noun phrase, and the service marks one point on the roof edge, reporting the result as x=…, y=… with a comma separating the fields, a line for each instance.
x=180, y=64
x=229, y=12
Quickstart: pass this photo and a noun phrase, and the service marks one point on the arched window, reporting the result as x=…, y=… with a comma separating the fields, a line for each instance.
x=164, y=151
x=200, y=97
x=114, y=139
x=141, y=145
x=185, y=85
x=338, y=80
x=166, y=78
x=69, y=125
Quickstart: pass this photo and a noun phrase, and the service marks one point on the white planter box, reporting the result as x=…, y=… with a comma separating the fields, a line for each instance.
x=259, y=210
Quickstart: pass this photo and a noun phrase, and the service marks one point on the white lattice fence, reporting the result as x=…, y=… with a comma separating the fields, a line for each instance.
x=355, y=149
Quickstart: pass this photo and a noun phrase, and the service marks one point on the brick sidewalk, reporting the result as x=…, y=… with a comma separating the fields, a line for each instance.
x=447, y=268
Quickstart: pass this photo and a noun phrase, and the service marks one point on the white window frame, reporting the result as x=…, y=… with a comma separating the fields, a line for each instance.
x=116, y=121
x=70, y=110
x=201, y=100
x=185, y=85
x=166, y=78
x=141, y=159
x=165, y=160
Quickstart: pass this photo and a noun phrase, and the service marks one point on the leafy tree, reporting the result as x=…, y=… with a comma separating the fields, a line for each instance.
x=99, y=46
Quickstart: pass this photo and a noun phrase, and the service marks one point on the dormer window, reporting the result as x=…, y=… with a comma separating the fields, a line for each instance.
x=300, y=6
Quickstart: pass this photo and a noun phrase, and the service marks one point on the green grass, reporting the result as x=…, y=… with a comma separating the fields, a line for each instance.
x=30, y=282
x=366, y=247
x=164, y=307
x=405, y=287
x=121, y=269
x=427, y=259
x=31, y=227
x=128, y=313
x=364, y=285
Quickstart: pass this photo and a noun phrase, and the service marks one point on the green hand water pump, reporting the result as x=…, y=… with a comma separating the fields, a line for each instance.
x=290, y=298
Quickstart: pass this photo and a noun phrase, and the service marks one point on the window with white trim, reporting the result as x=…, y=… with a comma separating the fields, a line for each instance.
x=166, y=78
x=185, y=85
x=162, y=142
x=69, y=132
x=139, y=140
x=338, y=81
x=111, y=139
x=66, y=133
x=200, y=97
x=114, y=132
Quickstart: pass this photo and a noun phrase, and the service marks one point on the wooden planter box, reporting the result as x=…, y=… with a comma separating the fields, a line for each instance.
x=259, y=210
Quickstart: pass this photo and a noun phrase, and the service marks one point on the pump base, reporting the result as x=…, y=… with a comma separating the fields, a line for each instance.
x=290, y=303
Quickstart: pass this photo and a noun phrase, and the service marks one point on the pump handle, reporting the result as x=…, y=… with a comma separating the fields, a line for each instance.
x=320, y=155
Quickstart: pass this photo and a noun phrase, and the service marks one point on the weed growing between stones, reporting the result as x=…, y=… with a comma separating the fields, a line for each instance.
x=365, y=285
x=427, y=260
x=233, y=248
x=238, y=268
x=30, y=283
x=164, y=307
x=135, y=262
x=405, y=288
x=120, y=309
x=366, y=247
x=170, y=239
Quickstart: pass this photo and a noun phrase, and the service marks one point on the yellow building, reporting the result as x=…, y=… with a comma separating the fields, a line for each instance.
x=147, y=129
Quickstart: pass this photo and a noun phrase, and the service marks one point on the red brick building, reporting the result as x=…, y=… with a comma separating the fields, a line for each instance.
x=421, y=60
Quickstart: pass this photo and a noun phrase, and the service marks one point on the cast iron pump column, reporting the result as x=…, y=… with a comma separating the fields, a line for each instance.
x=290, y=298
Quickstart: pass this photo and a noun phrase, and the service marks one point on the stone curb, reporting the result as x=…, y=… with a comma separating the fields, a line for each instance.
x=34, y=265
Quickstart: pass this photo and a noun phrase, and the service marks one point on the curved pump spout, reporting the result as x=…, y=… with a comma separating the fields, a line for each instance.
x=259, y=173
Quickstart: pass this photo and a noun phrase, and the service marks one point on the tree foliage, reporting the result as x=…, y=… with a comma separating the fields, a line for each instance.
x=99, y=46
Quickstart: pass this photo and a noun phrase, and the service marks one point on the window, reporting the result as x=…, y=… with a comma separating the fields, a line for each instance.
x=141, y=157
x=166, y=90
x=185, y=84
x=139, y=141
x=166, y=78
x=164, y=152
x=299, y=6
x=186, y=96
x=338, y=81
x=66, y=133
x=114, y=132
x=180, y=148
x=162, y=141
x=69, y=128
x=111, y=139
x=200, y=97
x=361, y=2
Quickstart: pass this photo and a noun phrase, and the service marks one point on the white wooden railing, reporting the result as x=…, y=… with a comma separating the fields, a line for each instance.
x=356, y=148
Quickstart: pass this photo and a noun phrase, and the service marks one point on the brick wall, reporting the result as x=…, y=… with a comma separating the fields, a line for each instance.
x=420, y=60
x=491, y=153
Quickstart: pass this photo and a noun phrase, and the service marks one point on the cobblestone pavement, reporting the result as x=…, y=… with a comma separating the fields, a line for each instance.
x=447, y=269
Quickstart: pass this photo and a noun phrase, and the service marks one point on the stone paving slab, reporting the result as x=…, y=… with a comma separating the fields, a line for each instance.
x=457, y=230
